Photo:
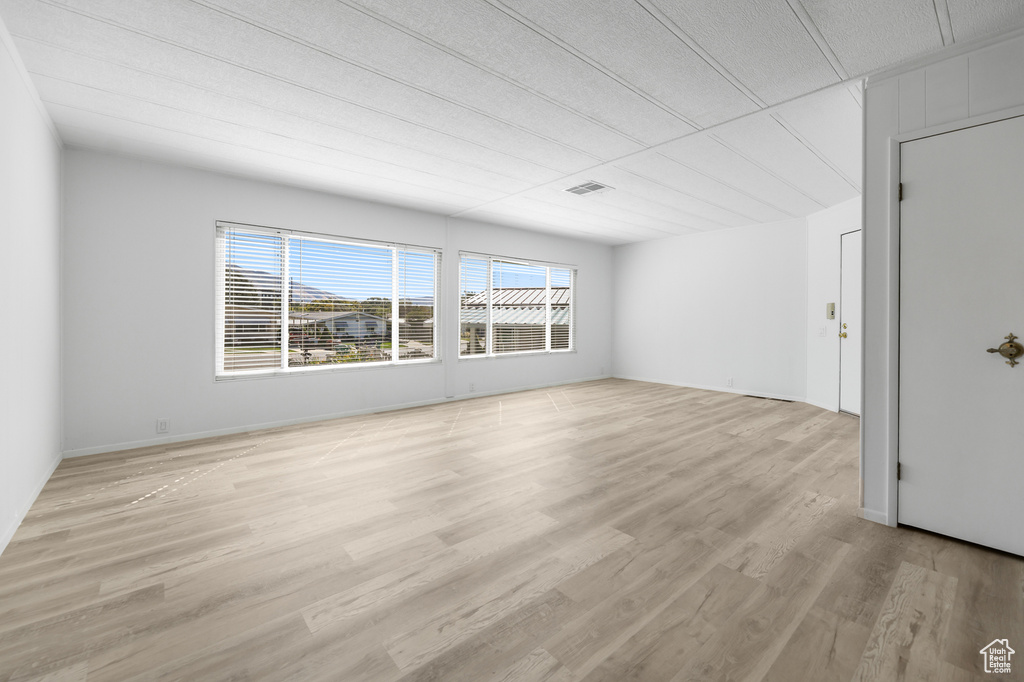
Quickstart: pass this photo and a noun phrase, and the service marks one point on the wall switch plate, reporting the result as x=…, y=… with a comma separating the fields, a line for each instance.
x=163, y=425
x=728, y=382
x=822, y=331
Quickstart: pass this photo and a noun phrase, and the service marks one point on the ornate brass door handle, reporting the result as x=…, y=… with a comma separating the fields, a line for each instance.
x=1011, y=350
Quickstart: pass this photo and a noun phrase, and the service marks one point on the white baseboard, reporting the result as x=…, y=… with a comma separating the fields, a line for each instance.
x=12, y=528
x=830, y=408
x=876, y=516
x=196, y=435
x=720, y=389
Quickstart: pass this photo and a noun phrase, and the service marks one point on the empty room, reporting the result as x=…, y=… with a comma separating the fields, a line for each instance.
x=503, y=340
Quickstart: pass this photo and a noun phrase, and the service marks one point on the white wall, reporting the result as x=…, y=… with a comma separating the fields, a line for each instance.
x=29, y=293
x=139, y=306
x=699, y=309
x=823, y=286
x=957, y=88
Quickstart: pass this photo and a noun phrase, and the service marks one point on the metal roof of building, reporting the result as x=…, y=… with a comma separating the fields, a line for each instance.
x=516, y=315
x=526, y=296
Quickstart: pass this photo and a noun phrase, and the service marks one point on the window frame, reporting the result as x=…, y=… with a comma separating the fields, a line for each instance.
x=220, y=303
x=488, y=325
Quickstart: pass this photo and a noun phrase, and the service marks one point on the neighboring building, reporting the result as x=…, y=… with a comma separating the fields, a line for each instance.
x=248, y=326
x=351, y=323
x=519, y=316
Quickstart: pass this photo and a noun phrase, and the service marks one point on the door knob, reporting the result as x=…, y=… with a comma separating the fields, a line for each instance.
x=1010, y=350
x=842, y=335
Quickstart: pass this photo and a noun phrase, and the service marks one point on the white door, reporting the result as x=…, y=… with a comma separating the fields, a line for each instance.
x=850, y=337
x=961, y=410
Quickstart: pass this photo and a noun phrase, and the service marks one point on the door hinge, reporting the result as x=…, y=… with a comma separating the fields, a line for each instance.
x=901, y=191
x=899, y=471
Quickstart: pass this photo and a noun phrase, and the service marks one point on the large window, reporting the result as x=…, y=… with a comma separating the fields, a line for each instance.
x=512, y=306
x=291, y=301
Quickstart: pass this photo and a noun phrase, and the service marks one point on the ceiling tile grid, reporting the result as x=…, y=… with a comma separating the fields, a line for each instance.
x=760, y=42
x=700, y=114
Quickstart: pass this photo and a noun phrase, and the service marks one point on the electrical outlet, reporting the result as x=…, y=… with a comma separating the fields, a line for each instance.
x=472, y=388
x=728, y=382
x=163, y=425
x=601, y=373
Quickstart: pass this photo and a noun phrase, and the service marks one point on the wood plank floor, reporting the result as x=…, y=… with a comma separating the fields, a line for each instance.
x=608, y=530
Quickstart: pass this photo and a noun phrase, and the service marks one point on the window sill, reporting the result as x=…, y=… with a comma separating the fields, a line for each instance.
x=324, y=369
x=520, y=354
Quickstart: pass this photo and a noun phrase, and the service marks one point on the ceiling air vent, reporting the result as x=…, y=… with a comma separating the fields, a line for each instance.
x=590, y=187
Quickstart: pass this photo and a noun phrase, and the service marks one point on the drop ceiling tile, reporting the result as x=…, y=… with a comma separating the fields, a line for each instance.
x=488, y=142
x=623, y=38
x=760, y=42
x=688, y=210
x=525, y=208
x=705, y=154
x=765, y=140
x=634, y=193
x=871, y=34
x=830, y=123
x=51, y=63
x=69, y=101
x=547, y=224
x=486, y=34
x=628, y=40
x=356, y=38
x=702, y=187
x=972, y=19
x=638, y=214
x=217, y=40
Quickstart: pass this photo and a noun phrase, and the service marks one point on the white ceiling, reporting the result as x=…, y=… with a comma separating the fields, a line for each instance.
x=702, y=114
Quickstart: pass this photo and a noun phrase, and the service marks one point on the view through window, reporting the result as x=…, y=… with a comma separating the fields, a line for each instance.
x=292, y=301
x=511, y=306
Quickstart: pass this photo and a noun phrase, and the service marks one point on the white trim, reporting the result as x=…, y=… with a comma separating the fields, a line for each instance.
x=323, y=236
x=8, y=533
x=893, y=356
x=824, y=406
x=954, y=126
x=8, y=42
x=516, y=261
x=875, y=516
x=307, y=370
x=102, y=449
x=719, y=389
x=516, y=354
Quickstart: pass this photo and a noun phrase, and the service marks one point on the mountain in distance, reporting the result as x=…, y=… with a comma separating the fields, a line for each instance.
x=269, y=284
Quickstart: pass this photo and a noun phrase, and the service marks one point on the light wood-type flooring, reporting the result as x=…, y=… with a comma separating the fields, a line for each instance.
x=608, y=530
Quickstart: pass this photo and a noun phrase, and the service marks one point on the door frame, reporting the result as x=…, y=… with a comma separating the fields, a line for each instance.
x=893, y=340
x=839, y=397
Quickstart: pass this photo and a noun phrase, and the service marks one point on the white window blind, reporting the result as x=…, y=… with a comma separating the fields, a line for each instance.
x=511, y=306
x=290, y=301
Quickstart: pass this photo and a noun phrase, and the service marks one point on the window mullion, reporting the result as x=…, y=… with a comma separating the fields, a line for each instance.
x=394, y=304
x=285, y=303
x=547, y=309
x=489, y=328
